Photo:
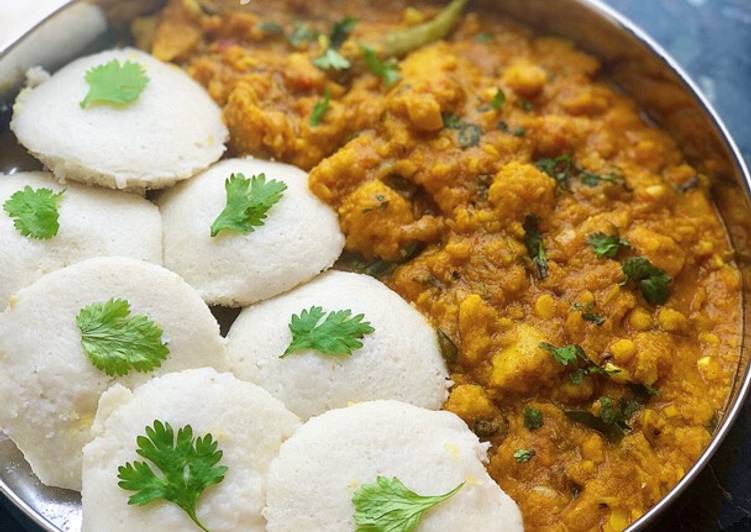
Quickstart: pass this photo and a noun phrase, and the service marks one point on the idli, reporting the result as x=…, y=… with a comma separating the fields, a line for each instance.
x=340, y=455
x=148, y=124
x=246, y=422
x=270, y=233
x=125, y=316
x=91, y=222
x=398, y=359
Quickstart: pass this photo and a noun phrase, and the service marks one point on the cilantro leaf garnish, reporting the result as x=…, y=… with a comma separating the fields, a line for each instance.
x=338, y=334
x=654, y=283
x=469, y=135
x=35, y=212
x=301, y=34
x=114, y=83
x=559, y=168
x=188, y=467
x=592, y=179
x=613, y=420
x=498, y=100
x=320, y=108
x=452, y=121
x=568, y=354
x=606, y=245
x=532, y=418
x=387, y=505
x=341, y=31
x=331, y=59
x=117, y=342
x=535, y=246
x=524, y=455
x=573, y=355
x=387, y=70
x=588, y=313
x=248, y=203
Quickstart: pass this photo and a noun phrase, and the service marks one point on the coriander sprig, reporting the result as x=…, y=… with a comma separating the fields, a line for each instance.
x=654, y=283
x=248, y=203
x=387, y=505
x=117, y=342
x=339, y=334
x=35, y=212
x=114, y=83
x=188, y=467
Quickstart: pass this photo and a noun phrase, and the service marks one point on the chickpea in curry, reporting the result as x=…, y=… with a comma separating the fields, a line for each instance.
x=570, y=258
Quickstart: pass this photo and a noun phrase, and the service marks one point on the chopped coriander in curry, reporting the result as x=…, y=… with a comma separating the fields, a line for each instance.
x=562, y=146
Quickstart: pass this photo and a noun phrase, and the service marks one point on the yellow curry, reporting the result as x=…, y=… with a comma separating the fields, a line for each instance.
x=570, y=257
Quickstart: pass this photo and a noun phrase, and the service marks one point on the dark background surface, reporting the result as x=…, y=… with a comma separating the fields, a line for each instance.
x=711, y=39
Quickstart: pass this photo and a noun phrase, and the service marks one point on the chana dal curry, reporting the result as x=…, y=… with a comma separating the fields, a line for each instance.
x=571, y=259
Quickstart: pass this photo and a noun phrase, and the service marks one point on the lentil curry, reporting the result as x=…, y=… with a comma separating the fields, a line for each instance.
x=570, y=258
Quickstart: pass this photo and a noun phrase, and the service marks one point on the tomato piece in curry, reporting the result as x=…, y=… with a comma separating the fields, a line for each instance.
x=473, y=186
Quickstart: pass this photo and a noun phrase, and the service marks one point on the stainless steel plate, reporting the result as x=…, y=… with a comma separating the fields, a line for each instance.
x=640, y=66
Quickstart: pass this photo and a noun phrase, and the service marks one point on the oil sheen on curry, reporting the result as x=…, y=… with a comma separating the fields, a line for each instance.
x=571, y=259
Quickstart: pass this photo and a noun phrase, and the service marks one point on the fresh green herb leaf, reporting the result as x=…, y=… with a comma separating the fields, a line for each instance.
x=341, y=31
x=248, y=202
x=338, y=334
x=469, y=135
x=592, y=179
x=452, y=121
x=449, y=350
x=588, y=313
x=271, y=28
x=35, y=212
x=387, y=70
x=653, y=282
x=559, y=168
x=534, y=244
x=331, y=59
x=498, y=100
x=114, y=83
x=606, y=245
x=566, y=355
x=613, y=420
x=187, y=467
x=401, y=42
x=524, y=455
x=117, y=342
x=483, y=37
x=387, y=505
x=532, y=418
x=301, y=35
x=320, y=108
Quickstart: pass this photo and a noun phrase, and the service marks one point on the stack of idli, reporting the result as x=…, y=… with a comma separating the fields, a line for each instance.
x=92, y=222
x=170, y=132
x=319, y=470
x=50, y=388
x=299, y=238
x=248, y=424
x=400, y=359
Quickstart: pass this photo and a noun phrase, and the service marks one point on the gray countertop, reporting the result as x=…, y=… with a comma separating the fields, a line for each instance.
x=712, y=40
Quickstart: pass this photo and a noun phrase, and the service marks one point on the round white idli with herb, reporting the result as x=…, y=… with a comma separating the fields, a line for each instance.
x=383, y=465
x=74, y=332
x=241, y=428
x=246, y=230
x=120, y=119
x=45, y=226
x=343, y=337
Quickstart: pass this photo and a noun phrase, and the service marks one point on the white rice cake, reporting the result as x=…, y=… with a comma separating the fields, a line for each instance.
x=299, y=239
x=399, y=360
x=170, y=132
x=248, y=424
x=93, y=222
x=49, y=388
x=312, y=481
